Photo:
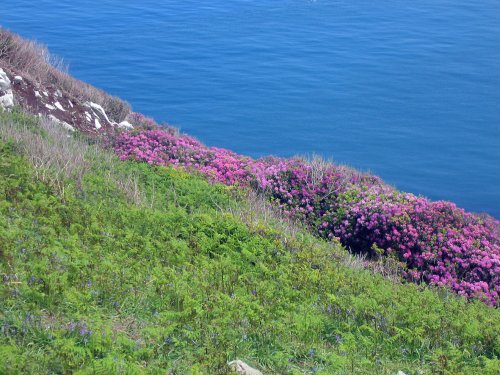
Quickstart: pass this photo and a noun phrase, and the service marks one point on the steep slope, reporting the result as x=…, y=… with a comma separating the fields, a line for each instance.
x=112, y=267
x=34, y=80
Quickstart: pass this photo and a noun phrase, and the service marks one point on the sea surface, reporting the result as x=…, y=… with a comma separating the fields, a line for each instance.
x=409, y=90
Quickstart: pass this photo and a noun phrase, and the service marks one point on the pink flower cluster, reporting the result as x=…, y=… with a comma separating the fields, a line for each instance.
x=440, y=243
x=165, y=147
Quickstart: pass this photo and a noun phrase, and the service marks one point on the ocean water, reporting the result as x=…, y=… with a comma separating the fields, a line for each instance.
x=409, y=90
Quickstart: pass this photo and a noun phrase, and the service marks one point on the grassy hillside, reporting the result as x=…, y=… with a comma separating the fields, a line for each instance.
x=123, y=267
x=433, y=242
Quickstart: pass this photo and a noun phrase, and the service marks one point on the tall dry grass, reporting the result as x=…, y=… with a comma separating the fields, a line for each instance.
x=58, y=156
x=34, y=61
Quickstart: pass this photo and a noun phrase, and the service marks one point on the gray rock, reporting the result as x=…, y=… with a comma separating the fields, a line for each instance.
x=242, y=368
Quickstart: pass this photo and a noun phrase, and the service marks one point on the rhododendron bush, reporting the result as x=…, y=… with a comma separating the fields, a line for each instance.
x=439, y=242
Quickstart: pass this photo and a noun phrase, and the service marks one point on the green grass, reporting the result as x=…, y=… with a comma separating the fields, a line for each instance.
x=97, y=282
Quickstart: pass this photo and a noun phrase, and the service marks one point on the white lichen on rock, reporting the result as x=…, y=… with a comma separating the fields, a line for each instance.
x=97, y=124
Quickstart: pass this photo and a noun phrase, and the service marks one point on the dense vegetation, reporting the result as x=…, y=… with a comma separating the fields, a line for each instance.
x=439, y=243
x=124, y=267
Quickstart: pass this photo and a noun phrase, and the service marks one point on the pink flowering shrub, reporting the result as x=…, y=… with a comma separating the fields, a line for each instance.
x=162, y=147
x=440, y=243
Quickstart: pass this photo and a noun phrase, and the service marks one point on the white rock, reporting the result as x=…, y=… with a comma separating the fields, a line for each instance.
x=51, y=107
x=45, y=93
x=7, y=99
x=88, y=116
x=18, y=78
x=97, y=124
x=62, y=123
x=97, y=108
x=125, y=124
x=37, y=94
x=59, y=106
x=58, y=93
x=70, y=103
x=401, y=373
x=4, y=80
x=242, y=368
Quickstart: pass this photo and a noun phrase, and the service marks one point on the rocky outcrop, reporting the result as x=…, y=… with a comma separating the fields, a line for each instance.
x=52, y=102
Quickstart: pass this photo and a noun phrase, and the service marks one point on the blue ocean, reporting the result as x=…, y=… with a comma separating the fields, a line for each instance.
x=408, y=90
